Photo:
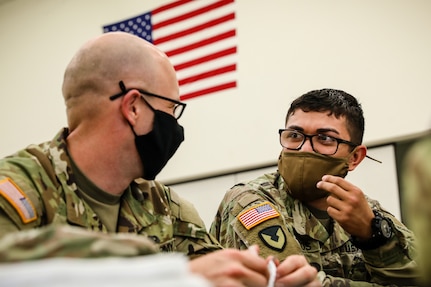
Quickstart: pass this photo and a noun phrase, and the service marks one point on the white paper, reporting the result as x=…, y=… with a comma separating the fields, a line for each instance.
x=162, y=270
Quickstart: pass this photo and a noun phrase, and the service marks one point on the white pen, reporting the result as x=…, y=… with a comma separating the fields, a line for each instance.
x=272, y=273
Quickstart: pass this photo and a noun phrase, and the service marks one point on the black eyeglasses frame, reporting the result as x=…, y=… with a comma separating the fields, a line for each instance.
x=309, y=137
x=311, y=142
x=124, y=91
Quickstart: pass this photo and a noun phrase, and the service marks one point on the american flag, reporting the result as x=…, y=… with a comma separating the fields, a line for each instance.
x=199, y=37
x=257, y=214
x=17, y=198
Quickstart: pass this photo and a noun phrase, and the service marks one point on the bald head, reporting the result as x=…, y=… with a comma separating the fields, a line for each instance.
x=94, y=72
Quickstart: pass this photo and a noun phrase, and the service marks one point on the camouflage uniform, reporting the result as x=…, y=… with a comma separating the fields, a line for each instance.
x=262, y=212
x=416, y=176
x=38, y=189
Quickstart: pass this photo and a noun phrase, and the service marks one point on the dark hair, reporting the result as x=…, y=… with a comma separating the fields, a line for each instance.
x=336, y=102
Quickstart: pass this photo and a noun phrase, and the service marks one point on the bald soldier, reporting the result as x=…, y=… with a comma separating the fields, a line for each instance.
x=90, y=191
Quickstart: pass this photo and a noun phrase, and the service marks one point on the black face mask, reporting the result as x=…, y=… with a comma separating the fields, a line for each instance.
x=159, y=145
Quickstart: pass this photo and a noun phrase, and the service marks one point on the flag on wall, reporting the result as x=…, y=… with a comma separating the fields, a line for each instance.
x=199, y=37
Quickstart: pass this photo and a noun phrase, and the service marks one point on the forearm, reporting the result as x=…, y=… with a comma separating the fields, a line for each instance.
x=68, y=241
x=195, y=247
x=396, y=258
x=391, y=265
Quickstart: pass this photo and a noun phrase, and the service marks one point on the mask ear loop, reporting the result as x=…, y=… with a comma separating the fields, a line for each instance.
x=122, y=93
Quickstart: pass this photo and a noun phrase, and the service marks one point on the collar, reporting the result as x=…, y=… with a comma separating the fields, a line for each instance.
x=78, y=212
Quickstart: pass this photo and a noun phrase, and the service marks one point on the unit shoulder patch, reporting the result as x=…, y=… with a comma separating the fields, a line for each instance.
x=18, y=199
x=273, y=237
x=257, y=214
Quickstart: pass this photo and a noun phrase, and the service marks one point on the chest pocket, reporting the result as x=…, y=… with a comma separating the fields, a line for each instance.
x=344, y=261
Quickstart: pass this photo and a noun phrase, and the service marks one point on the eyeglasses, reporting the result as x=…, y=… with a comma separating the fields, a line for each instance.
x=320, y=143
x=178, y=108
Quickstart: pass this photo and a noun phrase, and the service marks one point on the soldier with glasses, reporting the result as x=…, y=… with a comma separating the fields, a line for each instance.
x=308, y=207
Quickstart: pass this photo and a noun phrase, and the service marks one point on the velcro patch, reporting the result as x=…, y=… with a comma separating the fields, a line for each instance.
x=257, y=214
x=273, y=237
x=18, y=199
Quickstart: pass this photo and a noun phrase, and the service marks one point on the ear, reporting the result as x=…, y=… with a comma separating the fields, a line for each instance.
x=129, y=106
x=357, y=156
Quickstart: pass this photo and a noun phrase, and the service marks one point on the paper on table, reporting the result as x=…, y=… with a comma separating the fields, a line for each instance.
x=162, y=270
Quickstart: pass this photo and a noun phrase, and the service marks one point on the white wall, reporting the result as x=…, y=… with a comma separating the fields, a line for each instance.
x=376, y=50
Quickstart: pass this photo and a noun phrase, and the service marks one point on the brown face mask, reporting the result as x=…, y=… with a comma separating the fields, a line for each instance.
x=302, y=170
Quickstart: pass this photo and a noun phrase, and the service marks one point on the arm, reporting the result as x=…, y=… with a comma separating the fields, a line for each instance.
x=191, y=235
x=23, y=235
x=392, y=262
x=416, y=183
x=67, y=241
x=270, y=231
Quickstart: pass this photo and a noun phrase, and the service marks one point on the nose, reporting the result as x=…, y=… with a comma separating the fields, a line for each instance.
x=307, y=145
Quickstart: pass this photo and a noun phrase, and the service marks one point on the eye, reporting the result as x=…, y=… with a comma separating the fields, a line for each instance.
x=326, y=140
x=294, y=135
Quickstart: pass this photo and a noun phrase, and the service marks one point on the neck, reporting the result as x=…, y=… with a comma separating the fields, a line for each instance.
x=93, y=155
x=319, y=204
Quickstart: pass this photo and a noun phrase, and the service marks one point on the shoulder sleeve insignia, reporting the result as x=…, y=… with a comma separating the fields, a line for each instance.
x=273, y=237
x=18, y=199
x=257, y=214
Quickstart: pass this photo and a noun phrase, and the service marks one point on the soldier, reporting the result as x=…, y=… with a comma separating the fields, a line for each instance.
x=122, y=103
x=307, y=207
x=416, y=180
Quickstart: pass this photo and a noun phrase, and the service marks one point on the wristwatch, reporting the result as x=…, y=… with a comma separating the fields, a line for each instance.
x=381, y=233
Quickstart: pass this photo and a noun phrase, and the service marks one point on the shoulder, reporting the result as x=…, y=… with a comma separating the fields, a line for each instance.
x=181, y=208
x=31, y=174
x=249, y=193
x=249, y=204
x=251, y=213
x=21, y=177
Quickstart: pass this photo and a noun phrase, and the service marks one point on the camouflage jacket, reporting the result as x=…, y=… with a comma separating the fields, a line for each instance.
x=262, y=212
x=38, y=190
x=416, y=184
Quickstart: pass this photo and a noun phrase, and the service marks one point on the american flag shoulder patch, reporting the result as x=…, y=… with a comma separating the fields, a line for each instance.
x=257, y=214
x=18, y=199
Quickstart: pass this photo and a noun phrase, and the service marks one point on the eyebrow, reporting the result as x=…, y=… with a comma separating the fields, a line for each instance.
x=321, y=130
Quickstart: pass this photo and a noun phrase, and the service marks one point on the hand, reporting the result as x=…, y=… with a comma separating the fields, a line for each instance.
x=348, y=206
x=295, y=271
x=232, y=267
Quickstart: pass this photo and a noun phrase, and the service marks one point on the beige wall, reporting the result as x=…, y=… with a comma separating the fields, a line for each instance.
x=378, y=51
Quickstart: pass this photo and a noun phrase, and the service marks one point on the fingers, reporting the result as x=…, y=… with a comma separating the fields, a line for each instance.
x=343, y=193
x=347, y=205
x=292, y=263
x=295, y=271
x=231, y=267
x=227, y=268
x=335, y=185
x=251, y=268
